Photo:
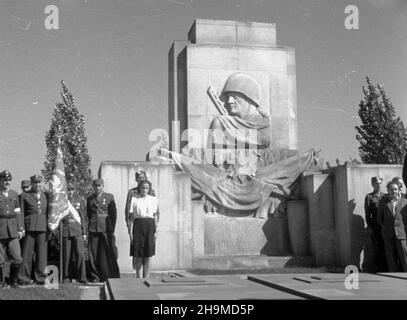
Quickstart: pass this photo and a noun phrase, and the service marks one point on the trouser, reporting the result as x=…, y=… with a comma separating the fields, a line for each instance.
x=396, y=254
x=102, y=256
x=10, y=248
x=34, y=241
x=74, y=247
x=379, y=255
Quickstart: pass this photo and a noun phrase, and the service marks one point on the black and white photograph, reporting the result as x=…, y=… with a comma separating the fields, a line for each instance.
x=203, y=152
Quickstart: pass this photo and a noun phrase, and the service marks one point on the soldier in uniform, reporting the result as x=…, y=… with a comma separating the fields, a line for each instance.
x=34, y=204
x=102, y=214
x=11, y=230
x=374, y=230
x=25, y=185
x=74, y=236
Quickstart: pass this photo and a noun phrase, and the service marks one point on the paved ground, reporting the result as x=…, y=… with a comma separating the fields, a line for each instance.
x=329, y=286
x=206, y=288
x=332, y=286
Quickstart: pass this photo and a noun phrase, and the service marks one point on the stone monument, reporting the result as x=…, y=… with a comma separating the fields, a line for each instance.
x=256, y=109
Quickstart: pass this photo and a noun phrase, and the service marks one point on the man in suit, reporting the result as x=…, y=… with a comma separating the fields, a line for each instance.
x=102, y=214
x=392, y=216
x=372, y=200
x=11, y=230
x=399, y=181
x=74, y=236
x=34, y=205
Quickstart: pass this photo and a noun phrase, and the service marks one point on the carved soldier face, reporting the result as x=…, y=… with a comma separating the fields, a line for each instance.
x=237, y=105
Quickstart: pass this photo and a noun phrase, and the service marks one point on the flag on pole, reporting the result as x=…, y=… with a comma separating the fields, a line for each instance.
x=60, y=206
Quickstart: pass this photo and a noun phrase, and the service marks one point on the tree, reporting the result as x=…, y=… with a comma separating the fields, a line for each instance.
x=70, y=125
x=382, y=135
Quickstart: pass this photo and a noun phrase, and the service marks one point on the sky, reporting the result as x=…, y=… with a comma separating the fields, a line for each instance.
x=113, y=55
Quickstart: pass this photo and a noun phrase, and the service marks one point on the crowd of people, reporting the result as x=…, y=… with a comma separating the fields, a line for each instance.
x=386, y=218
x=89, y=249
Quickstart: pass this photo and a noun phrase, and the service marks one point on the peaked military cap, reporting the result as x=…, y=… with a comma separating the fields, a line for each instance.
x=6, y=175
x=98, y=182
x=25, y=183
x=36, y=178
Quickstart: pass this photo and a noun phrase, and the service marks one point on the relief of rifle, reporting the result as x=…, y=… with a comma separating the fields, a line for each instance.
x=216, y=101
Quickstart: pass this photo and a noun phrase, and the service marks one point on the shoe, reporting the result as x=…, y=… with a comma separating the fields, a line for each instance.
x=4, y=286
x=95, y=281
x=22, y=283
x=66, y=280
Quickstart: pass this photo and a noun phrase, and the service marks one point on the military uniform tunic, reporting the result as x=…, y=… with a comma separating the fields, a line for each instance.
x=11, y=222
x=102, y=214
x=35, y=208
x=74, y=247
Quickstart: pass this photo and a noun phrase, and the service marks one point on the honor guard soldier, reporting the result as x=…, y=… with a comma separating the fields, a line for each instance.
x=374, y=229
x=74, y=235
x=11, y=230
x=102, y=214
x=25, y=187
x=35, y=207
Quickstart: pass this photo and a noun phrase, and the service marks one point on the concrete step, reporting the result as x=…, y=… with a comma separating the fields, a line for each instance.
x=252, y=261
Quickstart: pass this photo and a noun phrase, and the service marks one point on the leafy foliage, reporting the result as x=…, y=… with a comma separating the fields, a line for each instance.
x=382, y=135
x=70, y=126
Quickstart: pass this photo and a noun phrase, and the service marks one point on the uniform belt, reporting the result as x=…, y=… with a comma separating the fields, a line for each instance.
x=101, y=215
x=8, y=216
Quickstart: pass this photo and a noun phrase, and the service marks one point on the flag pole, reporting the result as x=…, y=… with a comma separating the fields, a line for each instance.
x=61, y=248
x=61, y=261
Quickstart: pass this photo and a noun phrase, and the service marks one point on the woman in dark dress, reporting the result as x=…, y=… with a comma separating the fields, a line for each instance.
x=144, y=213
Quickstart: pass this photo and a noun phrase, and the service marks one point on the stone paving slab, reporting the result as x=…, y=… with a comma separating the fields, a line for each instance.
x=181, y=282
x=231, y=287
x=330, y=288
x=397, y=275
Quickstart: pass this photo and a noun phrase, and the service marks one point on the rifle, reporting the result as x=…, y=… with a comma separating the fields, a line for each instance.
x=216, y=101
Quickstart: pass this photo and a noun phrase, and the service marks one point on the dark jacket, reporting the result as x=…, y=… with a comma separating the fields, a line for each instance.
x=371, y=207
x=101, y=212
x=71, y=228
x=393, y=225
x=11, y=221
x=35, y=211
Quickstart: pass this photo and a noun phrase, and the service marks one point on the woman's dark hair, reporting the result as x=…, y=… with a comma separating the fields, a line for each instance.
x=144, y=182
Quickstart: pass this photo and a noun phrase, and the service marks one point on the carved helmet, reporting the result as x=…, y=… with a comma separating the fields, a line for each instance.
x=244, y=84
